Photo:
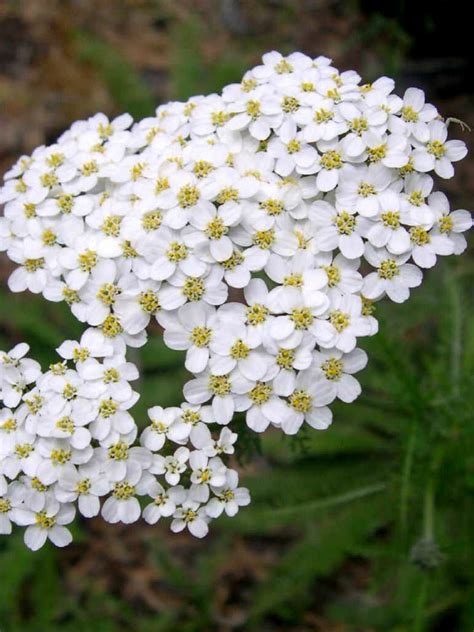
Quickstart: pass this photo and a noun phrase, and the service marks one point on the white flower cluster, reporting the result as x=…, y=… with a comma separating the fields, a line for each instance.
x=70, y=441
x=300, y=188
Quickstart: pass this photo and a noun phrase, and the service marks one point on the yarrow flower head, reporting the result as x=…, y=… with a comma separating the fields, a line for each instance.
x=309, y=192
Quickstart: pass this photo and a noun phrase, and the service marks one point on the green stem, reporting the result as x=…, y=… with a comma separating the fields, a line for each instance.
x=405, y=484
x=456, y=345
x=418, y=623
x=428, y=511
x=332, y=501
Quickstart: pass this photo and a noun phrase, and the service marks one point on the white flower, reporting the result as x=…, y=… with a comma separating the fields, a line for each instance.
x=205, y=472
x=191, y=516
x=122, y=505
x=386, y=228
x=449, y=225
x=56, y=457
x=338, y=228
x=86, y=485
x=291, y=151
x=182, y=288
x=260, y=112
x=263, y=407
x=190, y=329
x=437, y=153
x=393, y=277
x=360, y=187
x=32, y=273
x=362, y=123
x=308, y=403
x=228, y=497
x=208, y=385
x=232, y=347
x=171, y=466
x=344, y=324
x=11, y=497
x=164, y=502
x=337, y=369
x=47, y=524
x=164, y=425
x=414, y=116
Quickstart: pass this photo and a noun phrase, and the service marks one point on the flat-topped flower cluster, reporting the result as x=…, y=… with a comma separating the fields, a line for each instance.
x=258, y=227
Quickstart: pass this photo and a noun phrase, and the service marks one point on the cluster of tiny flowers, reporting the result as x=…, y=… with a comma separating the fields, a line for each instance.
x=301, y=190
x=67, y=440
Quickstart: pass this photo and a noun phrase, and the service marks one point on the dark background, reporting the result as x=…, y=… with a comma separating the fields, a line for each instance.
x=365, y=527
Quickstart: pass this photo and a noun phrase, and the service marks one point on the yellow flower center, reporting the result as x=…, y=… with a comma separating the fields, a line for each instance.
x=111, y=376
x=188, y=196
x=332, y=368
x=323, y=116
x=331, y=159
x=49, y=179
x=216, y=228
x=345, y=223
x=409, y=115
x=446, y=224
x=293, y=280
x=264, y=239
x=111, y=327
x=419, y=236
x=253, y=109
x=69, y=392
x=339, y=320
x=260, y=393
x=152, y=221
x=32, y=265
x=202, y=168
x=89, y=168
x=301, y=401
x=44, y=521
x=5, y=505
x=233, y=261
x=149, y=302
x=201, y=336
x=87, y=260
x=375, y=154
x=256, y=314
x=83, y=486
x=239, y=350
x=107, y=293
x=123, y=490
x=290, y=104
x=391, y=219
x=219, y=385
x=65, y=424
x=60, y=456
x=228, y=194
x=111, y=225
x=388, y=269
x=285, y=358
x=70, y=296
x=194, y=288
x=272, y=207
x=365, y=189
x=107, y=408
x=436, y=148
x=334, y=275
x=161, y=185
x=302, y=317
x=118, y=451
